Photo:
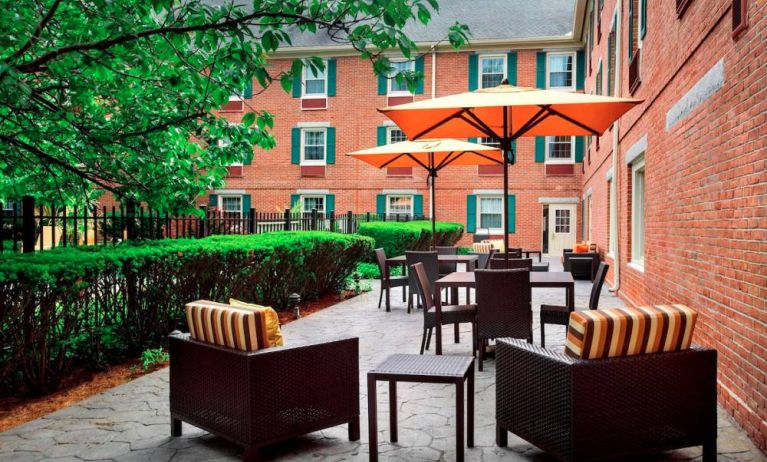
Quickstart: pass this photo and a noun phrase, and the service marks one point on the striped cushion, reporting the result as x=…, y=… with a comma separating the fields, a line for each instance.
x=227, y=326
x=481, y=247
x=272, y=320
x=629, y=331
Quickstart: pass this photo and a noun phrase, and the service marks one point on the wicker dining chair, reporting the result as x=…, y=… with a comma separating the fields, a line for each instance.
x=388, y=281
x=447, y=268
x=451, y=314
x=560, y=315
x=431, y=266
x=499, y=262
x=504, y=306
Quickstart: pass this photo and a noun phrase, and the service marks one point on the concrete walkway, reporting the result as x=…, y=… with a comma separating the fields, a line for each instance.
x=131, y=423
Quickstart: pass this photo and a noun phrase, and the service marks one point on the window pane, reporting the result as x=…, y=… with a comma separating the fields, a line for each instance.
x=487, y=141
x=562, y=221
x=314, y=145
x=491, y=212
x=492, y=71
x=560, y=71
x=560, y=147
x=400, y=204
x=396, y=135
x=315, y=87
x=231, y=204
x=398, y=67
x=316, y=202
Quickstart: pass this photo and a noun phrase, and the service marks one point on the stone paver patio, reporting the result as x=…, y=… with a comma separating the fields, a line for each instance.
x=131, y=422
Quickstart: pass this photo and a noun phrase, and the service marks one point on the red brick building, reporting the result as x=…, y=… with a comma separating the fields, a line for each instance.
x=675, y=194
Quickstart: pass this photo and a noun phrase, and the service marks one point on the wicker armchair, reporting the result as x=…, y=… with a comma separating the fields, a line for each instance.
x=579, y=410
x=430, y=262
x=504, y=299
x=388, y=281
x=581, y=265
x=500, y=262
x=255, y=399
x=483, y=258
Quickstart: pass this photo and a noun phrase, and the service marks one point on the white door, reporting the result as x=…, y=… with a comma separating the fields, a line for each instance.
x=561, y=228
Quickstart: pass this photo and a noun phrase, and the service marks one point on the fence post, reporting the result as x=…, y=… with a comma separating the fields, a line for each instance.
x=252, y=223
x=28, y=224
x=349, y=218
x=332, y=220
x=203, y=222
x=368, y=217
x=313, y=222
x=130, y=211
x=287, y=219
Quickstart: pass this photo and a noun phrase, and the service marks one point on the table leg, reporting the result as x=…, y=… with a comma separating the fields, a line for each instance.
x=570, y=296
x=393, y=410
x=388, y=301
x=459, y=420
x=372, y=420
x=438, y=321
x=470, y=408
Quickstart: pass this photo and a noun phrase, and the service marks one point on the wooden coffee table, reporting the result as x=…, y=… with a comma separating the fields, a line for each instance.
x=426, y=369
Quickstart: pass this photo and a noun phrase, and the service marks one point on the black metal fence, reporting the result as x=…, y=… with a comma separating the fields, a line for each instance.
x=27, y=227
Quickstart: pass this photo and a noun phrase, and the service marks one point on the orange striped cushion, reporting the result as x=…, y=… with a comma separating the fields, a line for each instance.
x=482, y=247
x=616, y=332
x=227, y=326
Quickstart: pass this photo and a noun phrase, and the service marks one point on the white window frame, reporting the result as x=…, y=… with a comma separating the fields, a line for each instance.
x=488, y=141
x=305, y=74
x=613, y=217
x=599, y=75
x=479, y=229
x=574, y=70
x=224, y=143
x=493, y=56
x=391, y=80
x=588, y=215
x=229, y=196
x=389, y=197
x=571, y=160
x=389, y=131
x=639, y=25
x=638, y=223
x=303, y=198
x=305, y=161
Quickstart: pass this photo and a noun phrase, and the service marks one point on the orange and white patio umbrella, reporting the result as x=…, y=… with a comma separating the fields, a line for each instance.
x=505, y=113
x=432, y=155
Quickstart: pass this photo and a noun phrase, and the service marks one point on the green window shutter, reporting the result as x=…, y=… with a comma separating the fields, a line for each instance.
x=297, y=81
x=380, y=204
x=381, y=133
x=471, y=213
x=540, y=149
x=294, y=198
x=473, y=71
x=473, y=139
x=540, y=69
x=580, y=71
x=246, y=205
x=511, y=68
x=579, y=149
x=248, y=158
x=383, y=84
x=514, y=146
x=643, y=13
x=295, y=146
x=418, y=205
x=419, y=68
x=512, y=211
x=330, y=203
x=630, y=41
x=212, y=201
x=331, y=72
x=330, y=156
x=248, y=93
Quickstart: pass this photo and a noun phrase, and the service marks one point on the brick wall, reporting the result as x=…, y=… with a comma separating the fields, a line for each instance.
x=706, y=187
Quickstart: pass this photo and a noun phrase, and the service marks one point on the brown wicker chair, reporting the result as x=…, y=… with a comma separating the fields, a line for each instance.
x=499, y=262
x=451, y=314
x=255, y=399
x=447, y=268
x=504, y=299
x=598, y=409
x=556, y=314
x=388, y=281
x=431, y=266
x=483, y=259
x=581, y=265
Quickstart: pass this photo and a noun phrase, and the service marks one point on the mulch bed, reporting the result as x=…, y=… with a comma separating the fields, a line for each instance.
x=17, y=410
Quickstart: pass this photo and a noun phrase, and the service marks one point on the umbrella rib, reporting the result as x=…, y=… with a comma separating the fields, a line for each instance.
x=441, y=122
x=388, y=162
x=448, y=160
x=534, y=120
x=489, y=131
x=573, y=121
x=485, y=157
x=418, y=161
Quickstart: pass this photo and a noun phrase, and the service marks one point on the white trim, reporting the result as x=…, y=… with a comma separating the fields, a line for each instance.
x=391, y=81
x=638, y=164
x=478, y=225
x=588, y=192
x=323, y=95
x=302, y=148
x=636, y=150
x=574, y=70
x=612, y=216
x=228, y=192
x=390, y=129
x=609, y=174
x=558, y=200
x=302, y=198
x=388, y=123
x=548, y=160
x=313, y=124
x=635, y=265
x=388, y=204
x=487, y=192
x=504, y=69
x=221, y=202
x=402, y=192
x=310, y=192
x=703, y=89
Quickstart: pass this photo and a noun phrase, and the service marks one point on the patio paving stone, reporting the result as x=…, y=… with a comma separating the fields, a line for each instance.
x=131, y=422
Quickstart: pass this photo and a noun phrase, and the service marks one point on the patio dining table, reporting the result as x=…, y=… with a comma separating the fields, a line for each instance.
x=469, y=260
x=467, y=279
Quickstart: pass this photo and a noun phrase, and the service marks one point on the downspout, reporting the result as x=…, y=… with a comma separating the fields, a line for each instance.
x=616, y=147
x=433, y=95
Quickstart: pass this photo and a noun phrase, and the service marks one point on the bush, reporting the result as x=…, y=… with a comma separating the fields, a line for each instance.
x=397, y=237
x=370, y=270
x=91, y=306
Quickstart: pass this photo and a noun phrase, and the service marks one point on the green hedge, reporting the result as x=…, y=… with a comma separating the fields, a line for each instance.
x=397, y=237
x=91, y=306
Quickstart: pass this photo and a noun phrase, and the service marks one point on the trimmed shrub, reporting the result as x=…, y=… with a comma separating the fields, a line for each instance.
x=397, y=237
x=91, y=306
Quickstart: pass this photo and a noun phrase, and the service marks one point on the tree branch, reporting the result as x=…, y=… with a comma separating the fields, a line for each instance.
x=38, y=30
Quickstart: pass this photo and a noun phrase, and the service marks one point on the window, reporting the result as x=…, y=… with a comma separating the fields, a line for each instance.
x=490, y=213
x=611, y=62
x=591, y=33
x=637, y=212
x=739, y=17
x=492, y=70
x=309, y=203
x=395, y=135
x=613, y=212
x=561, y=71
x=313, y=146
x=487, y=141
x=598, y=80
x=315, y=82
x=587, y=234
x=559, y=149
x=562, y=221
x=399, y=205
x=396, y=87
x=231, y=205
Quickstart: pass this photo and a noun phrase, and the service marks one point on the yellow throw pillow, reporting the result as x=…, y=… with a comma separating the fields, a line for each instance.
x=272, y=320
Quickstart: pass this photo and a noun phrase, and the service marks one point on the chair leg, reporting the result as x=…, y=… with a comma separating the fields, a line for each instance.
x=175, y=427
x=380, y=296
x=456, y=333
x=474, y=339
x=354, y=429
x=409, y=301
x=481, y=353
x=423, y=340
x=251, y=454
x=543, y=335
x=428, y=338
x=709, y=450
x=501, y=436
x=404, y=293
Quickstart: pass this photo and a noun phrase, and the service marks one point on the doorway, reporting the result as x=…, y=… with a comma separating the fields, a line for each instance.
x=561, y=227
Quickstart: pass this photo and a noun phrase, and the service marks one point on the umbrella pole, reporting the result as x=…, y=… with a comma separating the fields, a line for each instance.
x=433, y=176
x=506, y=206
